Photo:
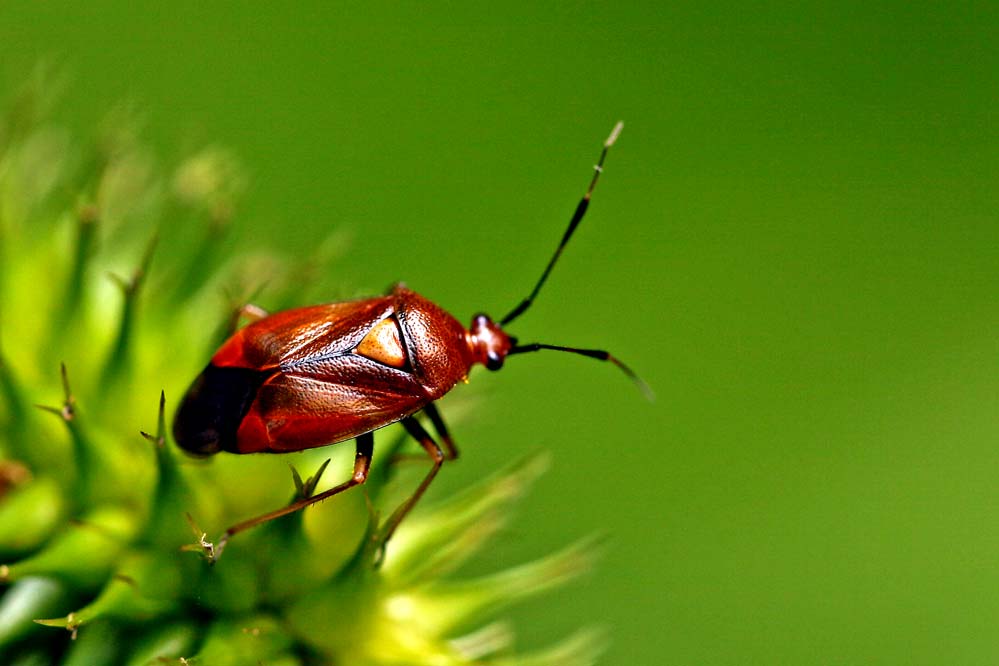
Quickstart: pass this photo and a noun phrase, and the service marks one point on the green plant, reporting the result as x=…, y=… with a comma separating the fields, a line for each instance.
x=112, y=271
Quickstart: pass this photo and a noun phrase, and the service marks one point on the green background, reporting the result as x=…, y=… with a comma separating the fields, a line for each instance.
x=796, y=243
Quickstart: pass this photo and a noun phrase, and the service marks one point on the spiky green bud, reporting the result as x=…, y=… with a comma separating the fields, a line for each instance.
x=112, y=294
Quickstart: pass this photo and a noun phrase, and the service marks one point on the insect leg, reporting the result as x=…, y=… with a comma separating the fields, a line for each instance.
x=237, y=314
x=247, y=311
x=451, y=451
x=251, y=312
x=362, y=463
x=414, y=428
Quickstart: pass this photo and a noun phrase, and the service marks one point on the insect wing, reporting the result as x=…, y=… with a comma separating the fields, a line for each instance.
x=326, y=401
x=299, y=335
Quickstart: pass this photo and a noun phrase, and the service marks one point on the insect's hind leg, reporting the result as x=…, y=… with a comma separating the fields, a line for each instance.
x=362, y=463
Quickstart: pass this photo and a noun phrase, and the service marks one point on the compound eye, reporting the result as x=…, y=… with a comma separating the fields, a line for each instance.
x=494, y=361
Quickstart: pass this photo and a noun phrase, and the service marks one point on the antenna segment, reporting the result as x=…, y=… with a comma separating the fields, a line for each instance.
x=577, y=217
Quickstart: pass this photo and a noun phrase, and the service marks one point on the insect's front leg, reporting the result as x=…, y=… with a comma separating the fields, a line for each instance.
x=451, y=451
x=248, y=312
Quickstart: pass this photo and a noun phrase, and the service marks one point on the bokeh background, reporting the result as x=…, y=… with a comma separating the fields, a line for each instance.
x=796, y=243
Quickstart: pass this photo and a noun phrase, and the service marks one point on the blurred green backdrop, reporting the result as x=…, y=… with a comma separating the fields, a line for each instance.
x=796, y=243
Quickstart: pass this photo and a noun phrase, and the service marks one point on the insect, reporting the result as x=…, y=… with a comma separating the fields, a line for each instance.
x=318, y=375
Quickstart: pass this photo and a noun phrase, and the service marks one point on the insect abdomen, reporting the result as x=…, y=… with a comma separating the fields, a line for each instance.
x=214, y=407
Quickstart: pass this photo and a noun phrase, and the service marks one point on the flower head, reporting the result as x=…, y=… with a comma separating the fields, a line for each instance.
x=115, y=286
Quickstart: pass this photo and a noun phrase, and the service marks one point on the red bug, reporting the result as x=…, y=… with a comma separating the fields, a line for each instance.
x=322, y=374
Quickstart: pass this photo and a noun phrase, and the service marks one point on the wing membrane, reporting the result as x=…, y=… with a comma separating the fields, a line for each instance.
x=334, y=399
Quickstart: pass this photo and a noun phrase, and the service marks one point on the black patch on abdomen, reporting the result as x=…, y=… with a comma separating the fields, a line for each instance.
x=207, y=420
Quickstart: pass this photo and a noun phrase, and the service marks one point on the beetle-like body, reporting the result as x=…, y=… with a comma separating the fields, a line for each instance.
x=318, y=375
x=322, y=374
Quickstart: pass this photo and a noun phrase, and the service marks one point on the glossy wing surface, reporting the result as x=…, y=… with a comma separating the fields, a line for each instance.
x=291, y=337
x=327, y=401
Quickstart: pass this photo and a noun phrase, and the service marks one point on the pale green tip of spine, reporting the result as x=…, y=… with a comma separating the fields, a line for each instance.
x=581, y=649
x=68, y=622
x=452, y=606
x=448, y=533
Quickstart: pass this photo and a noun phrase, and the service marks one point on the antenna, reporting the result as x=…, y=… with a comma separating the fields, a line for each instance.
x=577, y=217
x=598, y=354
